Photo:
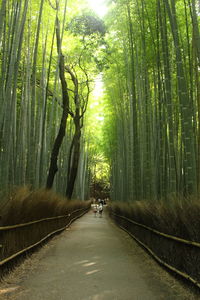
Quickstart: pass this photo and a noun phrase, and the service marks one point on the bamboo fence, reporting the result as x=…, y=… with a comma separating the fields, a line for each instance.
x=17, y=239
x=176, y=254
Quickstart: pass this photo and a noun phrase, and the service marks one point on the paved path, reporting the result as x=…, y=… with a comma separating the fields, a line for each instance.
x=93, y=260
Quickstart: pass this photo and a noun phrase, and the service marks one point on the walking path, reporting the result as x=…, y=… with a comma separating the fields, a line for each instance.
x=93, y=260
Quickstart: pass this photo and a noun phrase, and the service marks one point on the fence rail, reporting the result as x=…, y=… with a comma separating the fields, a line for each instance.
x=38, y=221
x=20, y=238
x=168, y=236
x=155, y=255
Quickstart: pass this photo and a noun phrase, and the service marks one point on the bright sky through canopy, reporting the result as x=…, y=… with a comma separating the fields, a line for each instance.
x=97, y=94
x=98, y=88
x=98, y=6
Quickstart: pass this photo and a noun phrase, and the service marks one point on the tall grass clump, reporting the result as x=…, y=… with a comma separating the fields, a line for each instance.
x=24, y=206
x=181, y=219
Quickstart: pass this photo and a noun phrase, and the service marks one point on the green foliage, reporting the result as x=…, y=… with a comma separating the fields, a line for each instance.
x=147, y=127
x=143, y=130
x=87, y=25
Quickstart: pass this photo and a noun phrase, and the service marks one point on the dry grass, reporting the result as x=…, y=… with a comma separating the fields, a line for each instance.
x=181, y=219
x=24, y=205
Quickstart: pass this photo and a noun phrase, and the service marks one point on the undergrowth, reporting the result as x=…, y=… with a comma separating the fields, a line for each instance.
x=24, y=205
x=181, y=219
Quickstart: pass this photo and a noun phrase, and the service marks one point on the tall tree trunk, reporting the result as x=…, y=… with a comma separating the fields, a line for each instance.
x=65, y=99
x=2, y=16
x=74, y=159
x=134, y=118
x=173, y=176
x=195, y=27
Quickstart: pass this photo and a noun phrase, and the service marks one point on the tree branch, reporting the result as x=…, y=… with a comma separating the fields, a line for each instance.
x=55, y=8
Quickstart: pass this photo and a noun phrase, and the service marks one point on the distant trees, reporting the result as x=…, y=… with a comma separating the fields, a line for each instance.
x=91, y=31
x=80, y=98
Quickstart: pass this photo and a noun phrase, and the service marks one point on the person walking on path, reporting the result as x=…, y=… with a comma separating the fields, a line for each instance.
x=100, y=210
x=95, y=210
x=100, y=202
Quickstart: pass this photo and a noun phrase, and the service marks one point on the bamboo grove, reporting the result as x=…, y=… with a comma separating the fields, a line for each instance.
x=152, y=86
x=148, y=54
x=44, y=92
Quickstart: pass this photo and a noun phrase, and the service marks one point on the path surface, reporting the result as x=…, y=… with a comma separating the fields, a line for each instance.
x=93, y=260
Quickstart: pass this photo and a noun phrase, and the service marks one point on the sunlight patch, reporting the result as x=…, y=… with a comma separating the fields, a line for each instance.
x=91, y=272
x=98, y=6
x=89, y=264
x=8, y=290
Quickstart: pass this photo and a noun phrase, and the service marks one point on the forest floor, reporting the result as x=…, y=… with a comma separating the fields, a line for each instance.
x=92, y=260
